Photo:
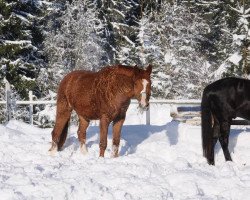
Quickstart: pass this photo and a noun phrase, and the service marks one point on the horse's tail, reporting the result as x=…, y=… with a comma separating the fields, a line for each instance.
x=63, y=135
x=206, y=126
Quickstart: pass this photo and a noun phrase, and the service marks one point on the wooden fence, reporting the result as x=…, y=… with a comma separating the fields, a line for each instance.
x=31, y=102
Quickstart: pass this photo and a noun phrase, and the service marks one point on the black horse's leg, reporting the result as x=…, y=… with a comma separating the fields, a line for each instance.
x=216, y=132
x=104, y=124
x=224, y=144
x=83, y=125
x=117, y=126
x=224, y=140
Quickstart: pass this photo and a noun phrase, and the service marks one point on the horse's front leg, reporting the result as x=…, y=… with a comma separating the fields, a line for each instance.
x=117, y=126
x=104, y=124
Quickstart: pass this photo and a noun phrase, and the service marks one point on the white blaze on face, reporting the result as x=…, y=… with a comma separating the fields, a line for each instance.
x=143, y=93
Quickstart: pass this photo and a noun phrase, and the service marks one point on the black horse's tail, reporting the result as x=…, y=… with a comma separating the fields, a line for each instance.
x=206, y=126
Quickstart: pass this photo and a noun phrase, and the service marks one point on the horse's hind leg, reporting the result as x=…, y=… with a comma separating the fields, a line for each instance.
x=117, y=126
x=224, y=140
x=216, y=132
x=59, y=132
x=83, y=125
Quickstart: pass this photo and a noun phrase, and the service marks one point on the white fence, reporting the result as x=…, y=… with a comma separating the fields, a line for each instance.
x=32, y=102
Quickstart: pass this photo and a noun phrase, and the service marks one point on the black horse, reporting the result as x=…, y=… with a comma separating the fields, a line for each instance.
x=222, y=101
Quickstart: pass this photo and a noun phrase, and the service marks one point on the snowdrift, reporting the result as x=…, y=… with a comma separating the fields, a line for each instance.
x=160, y=161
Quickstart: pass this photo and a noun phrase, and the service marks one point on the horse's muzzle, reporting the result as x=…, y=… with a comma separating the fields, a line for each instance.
x=144, y=107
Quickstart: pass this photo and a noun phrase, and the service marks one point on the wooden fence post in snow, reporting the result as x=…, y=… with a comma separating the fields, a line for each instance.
x=148, y=116
x=31, y=107
x=8, y=100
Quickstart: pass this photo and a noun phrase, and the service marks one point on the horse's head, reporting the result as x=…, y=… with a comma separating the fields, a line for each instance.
x=142, y=86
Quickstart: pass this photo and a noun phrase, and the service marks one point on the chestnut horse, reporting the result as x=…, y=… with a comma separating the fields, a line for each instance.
x=103, y=95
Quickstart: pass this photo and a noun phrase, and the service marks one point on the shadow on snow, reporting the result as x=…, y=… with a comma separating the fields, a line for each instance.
x=133, y=135
x=233, y=139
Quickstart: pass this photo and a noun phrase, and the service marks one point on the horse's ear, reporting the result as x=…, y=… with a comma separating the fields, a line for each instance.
x=149, y=69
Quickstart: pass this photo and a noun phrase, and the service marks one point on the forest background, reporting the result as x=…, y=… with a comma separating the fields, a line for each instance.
x=190, y=43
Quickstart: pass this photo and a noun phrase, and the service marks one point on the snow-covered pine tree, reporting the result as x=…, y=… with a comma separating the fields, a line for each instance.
x=170, y=40
x=215, y=15
x=76, y=44
x=121, y=18
x=21, y=38
x=237, y=63
x=227, y=44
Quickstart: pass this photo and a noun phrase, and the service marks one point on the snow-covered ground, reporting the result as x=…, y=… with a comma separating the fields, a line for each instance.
x=160, y=161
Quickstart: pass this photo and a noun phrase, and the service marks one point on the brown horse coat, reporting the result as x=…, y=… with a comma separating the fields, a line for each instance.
x=103, y=95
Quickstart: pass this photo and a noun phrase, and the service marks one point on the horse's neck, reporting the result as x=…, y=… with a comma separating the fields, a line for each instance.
x=125, y=71
x=126, y=78
x=115, y=83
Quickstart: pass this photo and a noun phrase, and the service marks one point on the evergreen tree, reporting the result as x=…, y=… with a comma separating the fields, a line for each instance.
x=75, y=44
x=21, y=39
x=227, y=46
x=171, y=41
x=121, y=27
x=237, y=62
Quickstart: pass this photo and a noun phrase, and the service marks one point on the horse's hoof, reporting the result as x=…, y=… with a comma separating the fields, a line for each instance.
x=211, y=162
x=83, y=149
x=101, y=155
x=53, y=149
x=114, y=156
x=115, y=153
x=52, y=153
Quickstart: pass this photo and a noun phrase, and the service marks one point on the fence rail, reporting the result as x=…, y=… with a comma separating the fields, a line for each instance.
x=155, y=101
x=31, y=102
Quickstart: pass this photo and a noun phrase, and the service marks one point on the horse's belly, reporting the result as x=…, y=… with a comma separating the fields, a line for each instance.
x=89, y=112
x=244, y=111
x=244, y=115
x=88, y=115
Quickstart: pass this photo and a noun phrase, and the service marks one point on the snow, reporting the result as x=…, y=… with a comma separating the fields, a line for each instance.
x=119, y=12
x=128, y=40
x=23, y=18
x=168, y=57
x=222, y=68
x=158, y=161
x=235, y=58
x=22, y=42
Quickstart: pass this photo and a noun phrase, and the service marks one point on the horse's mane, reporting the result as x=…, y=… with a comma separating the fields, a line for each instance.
x=114, y=79
x=120, y=70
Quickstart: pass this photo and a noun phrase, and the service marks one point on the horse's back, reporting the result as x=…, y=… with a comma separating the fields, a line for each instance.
x=231, y=95
x=228, y=86
x=72, y=82
x=71, y=78
x=76, y=74
x=222, y=84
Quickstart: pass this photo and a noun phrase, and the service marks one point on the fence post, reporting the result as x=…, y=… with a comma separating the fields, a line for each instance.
x=148, y=116
x=31, y=107
x=8, y=100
